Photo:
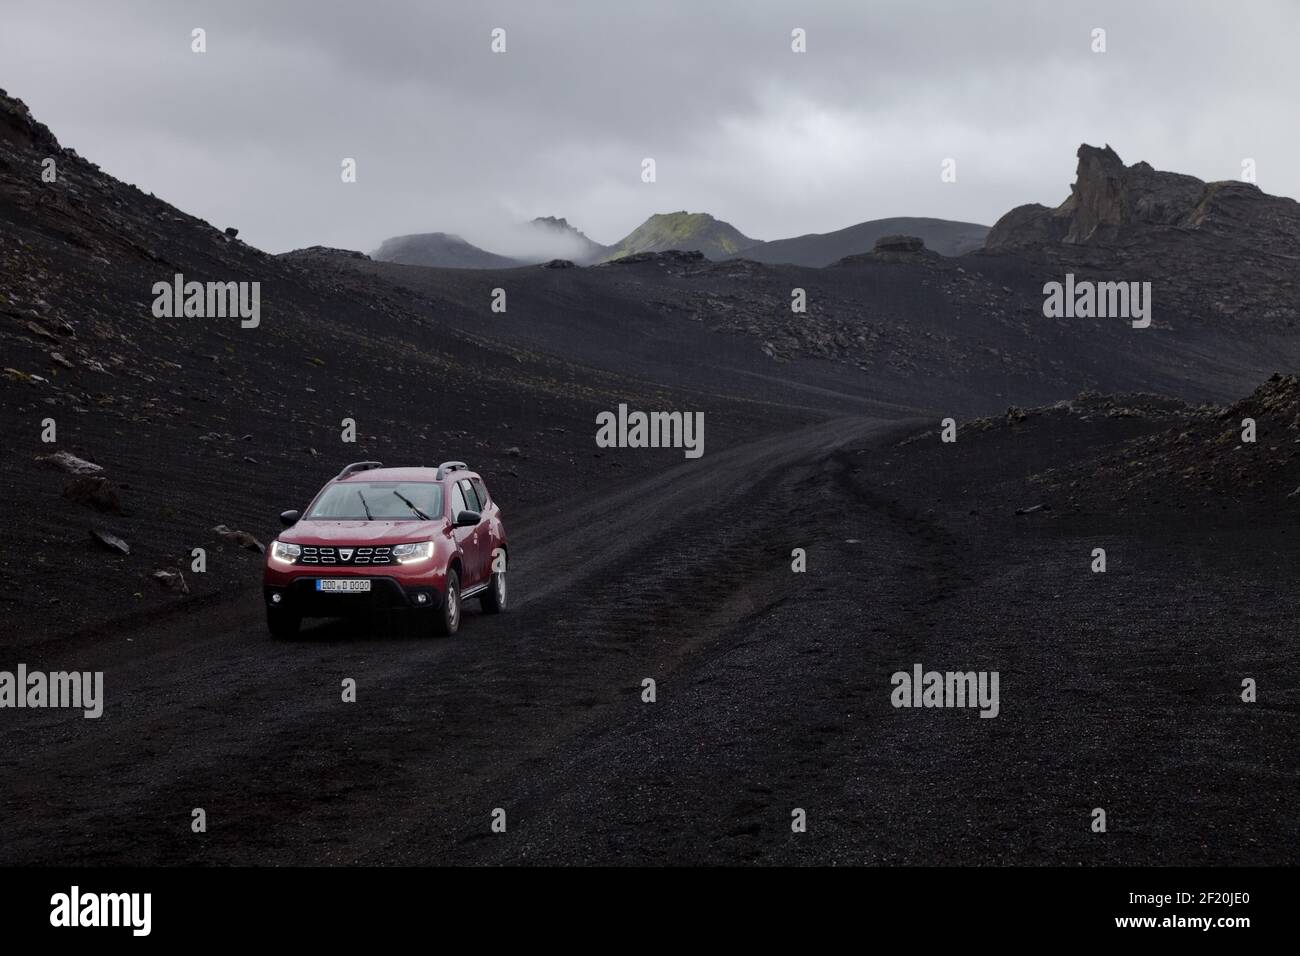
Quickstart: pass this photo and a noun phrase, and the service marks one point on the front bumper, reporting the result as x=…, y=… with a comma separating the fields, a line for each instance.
x=299, y=596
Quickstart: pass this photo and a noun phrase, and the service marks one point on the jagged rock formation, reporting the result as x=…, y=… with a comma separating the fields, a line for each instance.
x=1210, y=249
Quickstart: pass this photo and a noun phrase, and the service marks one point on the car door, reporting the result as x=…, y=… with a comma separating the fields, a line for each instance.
x=464, y=538
x=490, y=536
x=472, y=540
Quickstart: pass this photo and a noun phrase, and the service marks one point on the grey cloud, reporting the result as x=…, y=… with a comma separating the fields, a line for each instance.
x=449, y=137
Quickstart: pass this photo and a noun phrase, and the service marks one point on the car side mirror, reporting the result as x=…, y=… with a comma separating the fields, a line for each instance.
x=288, y=518
x=467, y=519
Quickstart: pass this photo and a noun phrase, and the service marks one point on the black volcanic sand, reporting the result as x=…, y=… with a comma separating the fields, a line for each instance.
x=1118, y=690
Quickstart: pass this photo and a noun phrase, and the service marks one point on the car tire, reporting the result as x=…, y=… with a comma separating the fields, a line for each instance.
x=493, y=600
x=447, y=620
x=283, y=625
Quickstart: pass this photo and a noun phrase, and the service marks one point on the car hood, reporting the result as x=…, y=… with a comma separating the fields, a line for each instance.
x=361, y=532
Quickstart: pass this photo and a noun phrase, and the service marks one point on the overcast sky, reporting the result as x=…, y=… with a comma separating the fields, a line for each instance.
x=449, y=136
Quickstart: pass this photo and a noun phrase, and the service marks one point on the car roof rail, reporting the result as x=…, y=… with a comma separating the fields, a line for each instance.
x=447, y=467
x=357, y=466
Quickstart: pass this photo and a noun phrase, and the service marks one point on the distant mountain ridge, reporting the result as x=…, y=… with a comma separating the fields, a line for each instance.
x=550, y=237
x=440, y=250
x=943, y=236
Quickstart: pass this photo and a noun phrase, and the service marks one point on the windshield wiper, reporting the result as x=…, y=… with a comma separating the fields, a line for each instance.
x=407, y=502
x=369, y=516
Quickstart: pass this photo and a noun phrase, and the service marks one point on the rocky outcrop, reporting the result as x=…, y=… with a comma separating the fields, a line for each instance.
x=1212, y=249
x=892, y=249
x=19, y=128
x=323, y=254
x=670, y=258
x=899, y=244
x=1245, y=453
x=1110, y=202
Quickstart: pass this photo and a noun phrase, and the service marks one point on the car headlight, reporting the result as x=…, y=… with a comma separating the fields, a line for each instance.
x=284, y=552
x=413, y=553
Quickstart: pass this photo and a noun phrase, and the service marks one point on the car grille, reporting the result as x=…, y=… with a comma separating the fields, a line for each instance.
x=331, y=555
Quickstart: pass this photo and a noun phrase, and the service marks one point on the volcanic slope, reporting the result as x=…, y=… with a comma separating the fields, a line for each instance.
x=200, y=423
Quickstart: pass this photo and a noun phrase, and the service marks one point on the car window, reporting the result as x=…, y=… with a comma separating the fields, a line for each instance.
x=457, y=500
x=378, y=500
x=471, y=497
x=482, y=492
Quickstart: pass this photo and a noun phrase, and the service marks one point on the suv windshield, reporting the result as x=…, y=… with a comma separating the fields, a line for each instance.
x=379, y=501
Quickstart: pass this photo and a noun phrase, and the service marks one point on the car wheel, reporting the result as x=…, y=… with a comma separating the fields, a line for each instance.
x=448, y=619
x=493, y=600
x=282, y=624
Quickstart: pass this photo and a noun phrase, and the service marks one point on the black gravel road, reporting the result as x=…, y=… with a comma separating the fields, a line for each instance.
x=204, y=710
x=772, y=693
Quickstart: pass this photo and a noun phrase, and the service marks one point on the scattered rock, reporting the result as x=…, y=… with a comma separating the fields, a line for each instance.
x=110, y=541
x=65, y=461
x=241, y=538
x=93, y=490
x=41, y=331
x=172, y=581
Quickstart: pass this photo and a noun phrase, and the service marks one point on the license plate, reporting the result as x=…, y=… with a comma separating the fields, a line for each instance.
x=344, y=585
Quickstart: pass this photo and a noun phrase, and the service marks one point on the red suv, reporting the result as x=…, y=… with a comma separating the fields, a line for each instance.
x=379, y=538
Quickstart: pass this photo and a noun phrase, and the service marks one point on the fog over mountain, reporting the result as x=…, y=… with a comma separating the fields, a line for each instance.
x=450, y=137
